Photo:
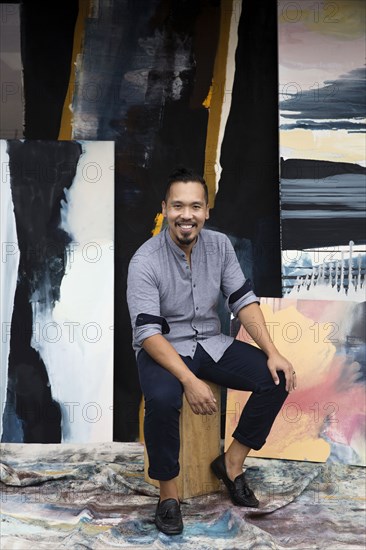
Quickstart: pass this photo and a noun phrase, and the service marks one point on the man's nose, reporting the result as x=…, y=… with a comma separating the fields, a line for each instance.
x=186, y=213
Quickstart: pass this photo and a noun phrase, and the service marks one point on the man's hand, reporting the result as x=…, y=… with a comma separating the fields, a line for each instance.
x=277, y=362
x=200, y=396
x=251, y=317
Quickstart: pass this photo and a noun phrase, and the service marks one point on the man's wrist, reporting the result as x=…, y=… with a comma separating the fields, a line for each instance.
x=186, y=377
x=271, y=351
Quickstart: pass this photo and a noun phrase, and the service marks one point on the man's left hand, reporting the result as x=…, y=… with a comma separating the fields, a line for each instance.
x=277, y=362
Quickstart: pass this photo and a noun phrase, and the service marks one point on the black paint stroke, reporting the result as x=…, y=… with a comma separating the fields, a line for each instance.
x=338, y=99
x=351, y=127
x=247, y=203
x=317, y=169
x=47, y=33
x=39, y=174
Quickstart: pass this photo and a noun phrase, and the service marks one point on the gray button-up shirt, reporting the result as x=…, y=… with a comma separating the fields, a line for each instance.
x=167, y=296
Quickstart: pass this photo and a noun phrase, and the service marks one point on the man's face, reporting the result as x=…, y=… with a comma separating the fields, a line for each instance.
x=186, y=211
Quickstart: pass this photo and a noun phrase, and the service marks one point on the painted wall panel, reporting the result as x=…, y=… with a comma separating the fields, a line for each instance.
x=325, y=418
x=58, y=356
x=322, y=146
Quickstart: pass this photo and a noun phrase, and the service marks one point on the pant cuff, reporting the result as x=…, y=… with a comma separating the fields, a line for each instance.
x=163, y=476
x=244, y=441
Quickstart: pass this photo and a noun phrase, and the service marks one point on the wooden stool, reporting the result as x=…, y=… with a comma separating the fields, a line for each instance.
x=199, y=446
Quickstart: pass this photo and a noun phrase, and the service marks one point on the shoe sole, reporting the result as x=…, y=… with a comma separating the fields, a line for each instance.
x=166, y=532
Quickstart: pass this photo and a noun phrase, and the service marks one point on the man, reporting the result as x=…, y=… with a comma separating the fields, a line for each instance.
x=173, y=286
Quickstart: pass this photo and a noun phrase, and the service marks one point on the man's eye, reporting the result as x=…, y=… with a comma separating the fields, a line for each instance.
x=196, y=206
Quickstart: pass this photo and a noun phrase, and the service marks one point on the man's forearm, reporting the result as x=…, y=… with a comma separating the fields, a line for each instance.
x=164, y=353
x=251, y=317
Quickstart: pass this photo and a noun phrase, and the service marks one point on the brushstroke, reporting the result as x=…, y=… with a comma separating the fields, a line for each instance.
x=79, y=345
x=218, y=100
x=294, y=168
x=46, y=53
x=65, y=131
x=9, y=269
x=342, y=98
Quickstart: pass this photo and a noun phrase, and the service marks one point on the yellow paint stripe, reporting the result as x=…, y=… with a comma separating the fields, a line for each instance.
x=215, y=99
x=66, y=118
x=207, y=102
x=159, y=219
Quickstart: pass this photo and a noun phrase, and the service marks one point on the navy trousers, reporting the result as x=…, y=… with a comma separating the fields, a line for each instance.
x=242, y=367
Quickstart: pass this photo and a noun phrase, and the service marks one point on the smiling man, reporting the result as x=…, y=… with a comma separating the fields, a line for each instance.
x=173, y=287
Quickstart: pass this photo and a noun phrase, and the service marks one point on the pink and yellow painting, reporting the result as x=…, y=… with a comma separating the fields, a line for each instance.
x=324, y=419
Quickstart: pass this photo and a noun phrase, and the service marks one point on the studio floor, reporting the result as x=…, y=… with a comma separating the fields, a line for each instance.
x=95, y=497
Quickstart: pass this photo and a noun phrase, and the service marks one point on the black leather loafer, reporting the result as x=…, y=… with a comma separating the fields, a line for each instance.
x=168, y=518
x=239, y=492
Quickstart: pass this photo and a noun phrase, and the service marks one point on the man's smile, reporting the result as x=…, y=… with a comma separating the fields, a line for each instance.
x=185, y=226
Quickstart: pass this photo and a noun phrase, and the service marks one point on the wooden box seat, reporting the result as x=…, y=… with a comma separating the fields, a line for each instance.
x=199, y=445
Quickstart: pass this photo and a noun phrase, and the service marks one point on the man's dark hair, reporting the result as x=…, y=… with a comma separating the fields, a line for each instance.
x=185, y=174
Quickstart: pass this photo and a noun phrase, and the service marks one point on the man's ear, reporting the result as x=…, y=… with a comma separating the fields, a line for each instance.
x=163, y=208
x=207, y=212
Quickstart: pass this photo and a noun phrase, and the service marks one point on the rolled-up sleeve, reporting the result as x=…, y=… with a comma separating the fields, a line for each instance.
x=237, y=290
x=143, y=301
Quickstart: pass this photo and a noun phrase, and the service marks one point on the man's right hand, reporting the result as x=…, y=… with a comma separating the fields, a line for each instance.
x=199, y=396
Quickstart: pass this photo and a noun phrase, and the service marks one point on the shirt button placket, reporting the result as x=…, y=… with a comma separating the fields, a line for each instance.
x=194, y=326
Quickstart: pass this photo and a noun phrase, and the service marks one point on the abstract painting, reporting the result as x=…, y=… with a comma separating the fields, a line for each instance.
x=325, y=418
x=57, y=279
x=322, y=78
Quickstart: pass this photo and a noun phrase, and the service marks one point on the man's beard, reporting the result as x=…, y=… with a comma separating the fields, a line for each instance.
x=186, y=240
